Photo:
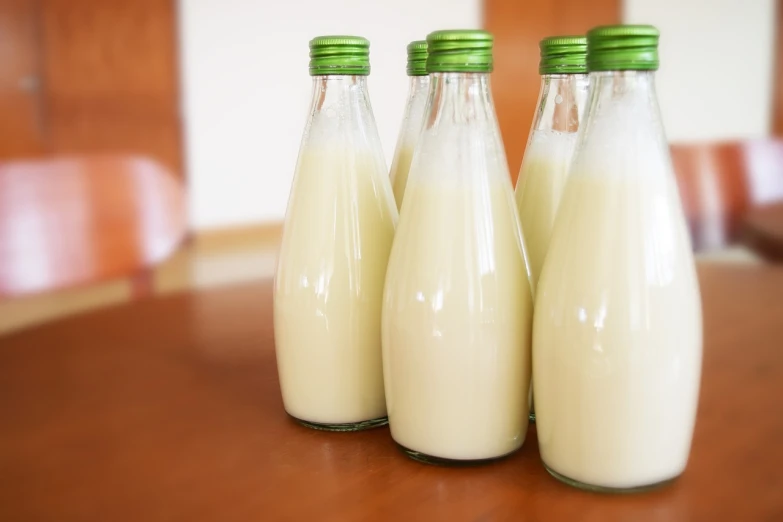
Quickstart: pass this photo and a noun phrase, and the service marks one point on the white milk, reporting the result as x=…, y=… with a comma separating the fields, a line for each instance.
x=617, y=333
x=456, y=320
x=539, y=189
x=328, y=291
x=399, y=170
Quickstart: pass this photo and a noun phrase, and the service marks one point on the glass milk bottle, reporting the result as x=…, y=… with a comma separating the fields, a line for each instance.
x=550, y=146
x=617, y=336
x=419, y=85
x=552, y=140
x=457, y=307
x=336, y=241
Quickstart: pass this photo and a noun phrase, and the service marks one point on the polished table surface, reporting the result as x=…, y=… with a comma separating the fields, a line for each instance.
x=168, y=409
x=762, y=230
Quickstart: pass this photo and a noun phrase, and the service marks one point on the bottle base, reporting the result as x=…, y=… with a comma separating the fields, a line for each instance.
x=604, y=489
x=348, y=426
x=440, y=461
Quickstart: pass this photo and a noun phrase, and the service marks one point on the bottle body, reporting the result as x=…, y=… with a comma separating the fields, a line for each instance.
x=328, y=288
x=457, y=306
x=547, y=159
x=409, y=135
x=617, y=334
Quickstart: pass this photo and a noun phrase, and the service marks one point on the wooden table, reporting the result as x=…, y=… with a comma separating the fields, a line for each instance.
x=762, y=231
x=169, y=409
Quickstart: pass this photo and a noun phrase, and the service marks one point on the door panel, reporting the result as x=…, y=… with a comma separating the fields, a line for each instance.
x=21, y=113
x=76, y=129
x=112, y=77
x=777, y=108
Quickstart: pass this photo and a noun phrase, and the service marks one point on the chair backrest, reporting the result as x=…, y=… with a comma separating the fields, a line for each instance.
x=78, y=220
x=720, y=182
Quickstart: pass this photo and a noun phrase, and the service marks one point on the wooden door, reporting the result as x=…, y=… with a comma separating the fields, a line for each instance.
x=777, y=109
x=111, y=72
x=21, y=112
x=518, y=26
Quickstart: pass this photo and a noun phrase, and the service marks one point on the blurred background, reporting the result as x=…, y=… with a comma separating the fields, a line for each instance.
x=148, y=146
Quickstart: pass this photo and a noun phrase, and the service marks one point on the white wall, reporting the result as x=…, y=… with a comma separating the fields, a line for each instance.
x=247, y=90
x=715, y=79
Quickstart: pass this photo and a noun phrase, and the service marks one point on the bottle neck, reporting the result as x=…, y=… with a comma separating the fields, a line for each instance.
x=627, y=97
x=561, y=102
x=335, y=90
x=418, y=86
x=460, y=98
x=460, y=136
x=418, y=90
x=623, y=133
x=341, y=111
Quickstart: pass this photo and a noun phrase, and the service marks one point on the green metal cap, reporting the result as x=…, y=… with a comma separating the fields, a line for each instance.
x=563, y=55
x=346, y=55
x=622, y=48
x=465, y=50
x=417, y=58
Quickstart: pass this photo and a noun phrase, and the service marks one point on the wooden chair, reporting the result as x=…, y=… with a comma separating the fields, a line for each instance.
x=79, y=220
x=720, y=182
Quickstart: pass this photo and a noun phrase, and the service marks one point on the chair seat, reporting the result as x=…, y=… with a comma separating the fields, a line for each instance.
x=72, y=221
